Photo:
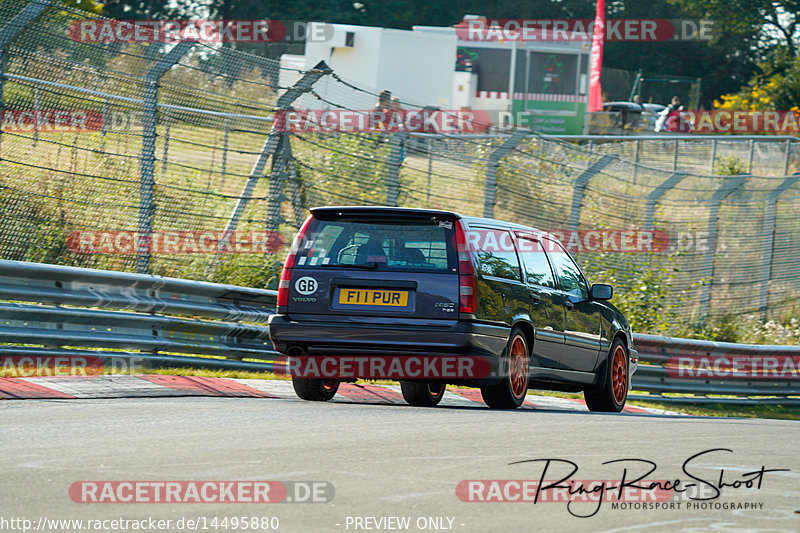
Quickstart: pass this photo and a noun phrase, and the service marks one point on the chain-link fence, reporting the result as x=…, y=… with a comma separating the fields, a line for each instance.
x=173, y=159
x=758, y=155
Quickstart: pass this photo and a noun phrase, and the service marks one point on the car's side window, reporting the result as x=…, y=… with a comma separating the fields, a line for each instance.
x=570, y=278
x=497, y=256
x=534, y=261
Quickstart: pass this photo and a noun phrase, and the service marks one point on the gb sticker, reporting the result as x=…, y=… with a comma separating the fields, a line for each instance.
x=306, y=285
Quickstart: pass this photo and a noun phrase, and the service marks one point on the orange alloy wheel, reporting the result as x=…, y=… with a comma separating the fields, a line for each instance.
x=619, y=375
x=517, y=363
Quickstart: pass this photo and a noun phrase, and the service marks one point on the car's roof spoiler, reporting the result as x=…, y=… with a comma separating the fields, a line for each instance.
x=329, y=212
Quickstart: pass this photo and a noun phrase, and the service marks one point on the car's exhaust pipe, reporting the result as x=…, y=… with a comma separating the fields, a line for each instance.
x=296, y=351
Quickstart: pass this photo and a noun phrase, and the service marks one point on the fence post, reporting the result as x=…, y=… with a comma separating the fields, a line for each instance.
x=295, y=195
x=9, y=32
x=768, y=242
x=786, y=158
x=397, y=144
x=104, y=127
x=655, y=194
x=490, y=187
x=707, y=273
x=580, y=184
x=396, y=154
x=675, y=158
x=270, y=148
x=165, y=154
x=713, y=156
x=225, y=151
x=37, y=109
x=750, y=159
x=430, y=170
x=147, y=183
x=277, y=176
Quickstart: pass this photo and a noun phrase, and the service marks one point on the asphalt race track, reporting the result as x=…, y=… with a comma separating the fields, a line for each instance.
x=383, y=463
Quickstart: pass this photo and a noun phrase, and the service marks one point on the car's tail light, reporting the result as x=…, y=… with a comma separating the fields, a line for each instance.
x=467, y=282
x=288, y=265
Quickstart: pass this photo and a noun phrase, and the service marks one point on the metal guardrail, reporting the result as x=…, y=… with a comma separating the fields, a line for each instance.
x=705, y=370
x=67, y=309
x=52, y=311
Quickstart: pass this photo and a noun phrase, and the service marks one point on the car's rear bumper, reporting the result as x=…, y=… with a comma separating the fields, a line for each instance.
x=341, y=339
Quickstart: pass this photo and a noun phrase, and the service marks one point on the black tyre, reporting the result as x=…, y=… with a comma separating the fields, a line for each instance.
x=511, y=391
x=315, y=390
x=422, y=393
x=611, y=398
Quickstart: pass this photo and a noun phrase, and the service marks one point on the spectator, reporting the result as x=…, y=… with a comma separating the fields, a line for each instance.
x=389, y=106
x=385, y=101
x=675, y=105
x=669, y=117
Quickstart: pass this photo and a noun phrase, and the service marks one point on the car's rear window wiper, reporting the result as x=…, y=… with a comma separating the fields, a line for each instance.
x=362, y=266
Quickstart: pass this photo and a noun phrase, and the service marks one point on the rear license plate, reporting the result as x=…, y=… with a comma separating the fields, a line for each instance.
x=373, y=297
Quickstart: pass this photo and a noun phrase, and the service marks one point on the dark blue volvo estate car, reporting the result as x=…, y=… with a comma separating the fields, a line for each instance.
x=374, y=282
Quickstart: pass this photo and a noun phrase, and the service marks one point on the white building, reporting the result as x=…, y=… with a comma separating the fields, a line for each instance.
x=543, y=83
x=417, y=67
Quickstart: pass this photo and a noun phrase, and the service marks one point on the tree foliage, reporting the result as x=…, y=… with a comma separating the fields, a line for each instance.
x=775, y=86
x=757, y=46
x=92, y=6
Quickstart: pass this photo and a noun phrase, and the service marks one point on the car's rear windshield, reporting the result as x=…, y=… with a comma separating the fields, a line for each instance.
x=418, y=244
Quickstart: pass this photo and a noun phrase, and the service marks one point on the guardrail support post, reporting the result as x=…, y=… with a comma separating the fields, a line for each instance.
x=707, y=274
x=658, y=192
x=580, y=185
x=10, y=31
x=490, y=188
x=768, y=242
x=149, y=121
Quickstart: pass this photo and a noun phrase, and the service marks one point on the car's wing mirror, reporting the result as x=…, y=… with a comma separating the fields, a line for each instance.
x=601, y=291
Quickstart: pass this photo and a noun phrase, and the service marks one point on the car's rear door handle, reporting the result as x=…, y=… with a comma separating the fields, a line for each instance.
x=535, y=298
x=569, y=305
